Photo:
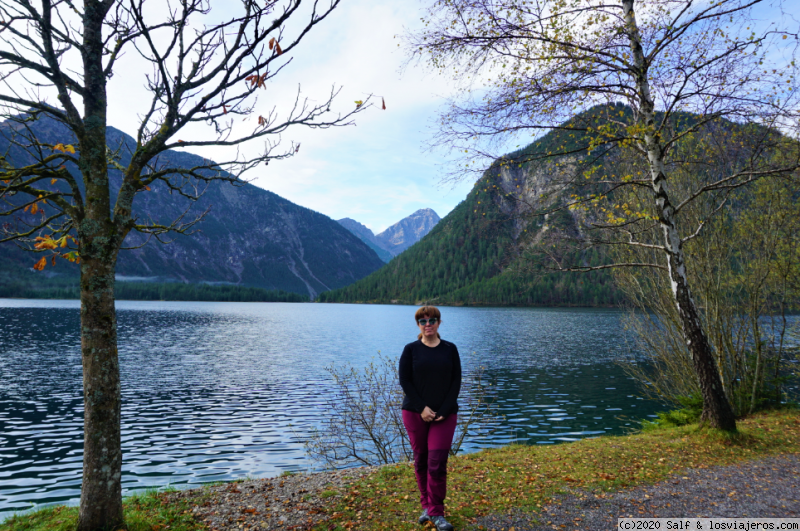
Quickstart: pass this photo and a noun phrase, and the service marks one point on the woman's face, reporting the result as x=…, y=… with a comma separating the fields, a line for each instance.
x=427, y=327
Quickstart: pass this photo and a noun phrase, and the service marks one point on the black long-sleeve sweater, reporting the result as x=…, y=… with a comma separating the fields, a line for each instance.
x=430, y=376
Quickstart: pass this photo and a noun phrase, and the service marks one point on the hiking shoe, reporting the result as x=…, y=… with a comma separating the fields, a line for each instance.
x=441, y=524
x=424, y=517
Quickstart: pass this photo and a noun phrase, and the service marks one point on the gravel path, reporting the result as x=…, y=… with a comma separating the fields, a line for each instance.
x=768, y=488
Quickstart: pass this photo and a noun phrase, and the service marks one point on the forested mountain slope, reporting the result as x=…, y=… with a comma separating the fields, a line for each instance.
x=250, y=236
x=474, y=255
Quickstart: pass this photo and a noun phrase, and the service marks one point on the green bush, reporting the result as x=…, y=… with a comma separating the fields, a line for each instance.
x=688, y=414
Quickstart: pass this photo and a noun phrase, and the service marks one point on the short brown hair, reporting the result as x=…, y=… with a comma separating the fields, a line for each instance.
x=428, y=312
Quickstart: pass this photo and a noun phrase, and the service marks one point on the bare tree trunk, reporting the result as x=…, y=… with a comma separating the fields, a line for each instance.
x=101, y=491
x=716, y=407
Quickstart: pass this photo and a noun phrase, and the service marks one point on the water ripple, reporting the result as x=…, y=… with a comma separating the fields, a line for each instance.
x=217, y=391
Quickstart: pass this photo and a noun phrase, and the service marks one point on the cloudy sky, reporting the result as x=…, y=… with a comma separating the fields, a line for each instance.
x=376, y=172
x=381, y=169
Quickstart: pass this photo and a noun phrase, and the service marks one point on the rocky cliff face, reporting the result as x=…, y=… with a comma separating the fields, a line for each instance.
x=408, y=231
x=399, y=236
x=249, y=236
x=485, y=250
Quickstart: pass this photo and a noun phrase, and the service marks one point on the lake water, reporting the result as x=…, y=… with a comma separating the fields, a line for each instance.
x=217, y=391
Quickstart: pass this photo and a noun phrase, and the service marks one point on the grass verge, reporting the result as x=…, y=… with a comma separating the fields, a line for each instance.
x=146, y=511
x=492, y=481
x=495, y=481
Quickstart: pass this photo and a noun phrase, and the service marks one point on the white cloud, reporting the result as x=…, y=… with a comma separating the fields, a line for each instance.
x=379, y=170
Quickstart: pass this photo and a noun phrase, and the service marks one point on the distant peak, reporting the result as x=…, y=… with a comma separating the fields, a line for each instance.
x=408, y=230
x=427, y=211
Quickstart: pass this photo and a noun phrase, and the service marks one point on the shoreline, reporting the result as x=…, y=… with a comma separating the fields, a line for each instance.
x=520, y=487
x=385, y=497
x=294, y=501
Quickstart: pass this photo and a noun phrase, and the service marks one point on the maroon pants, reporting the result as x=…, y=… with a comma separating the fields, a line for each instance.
x=431, y=443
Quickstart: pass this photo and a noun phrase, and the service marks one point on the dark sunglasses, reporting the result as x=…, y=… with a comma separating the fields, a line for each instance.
x=424, y=322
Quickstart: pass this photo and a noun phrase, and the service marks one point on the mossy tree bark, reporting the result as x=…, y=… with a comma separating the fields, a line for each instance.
x=99, y=242
x=101, y=491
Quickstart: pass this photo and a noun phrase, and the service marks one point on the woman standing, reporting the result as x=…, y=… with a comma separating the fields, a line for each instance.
x=430, y=375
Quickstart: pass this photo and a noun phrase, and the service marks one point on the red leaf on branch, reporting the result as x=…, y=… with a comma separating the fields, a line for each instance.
x=256, y=80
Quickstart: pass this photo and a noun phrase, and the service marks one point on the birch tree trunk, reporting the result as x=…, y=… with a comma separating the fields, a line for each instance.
x=716, y=407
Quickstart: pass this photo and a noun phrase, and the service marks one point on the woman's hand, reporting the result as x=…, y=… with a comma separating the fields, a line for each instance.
x=428, y=415
x=437, y=419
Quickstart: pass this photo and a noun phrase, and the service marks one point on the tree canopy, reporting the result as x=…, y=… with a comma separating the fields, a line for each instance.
x=206, y=63
x=681, y=69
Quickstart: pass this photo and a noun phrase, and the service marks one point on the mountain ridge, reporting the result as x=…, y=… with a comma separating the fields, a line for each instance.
x=397, y=237
x=476, y=255
x=366, y=236
x=250, y=236
x=408, y=231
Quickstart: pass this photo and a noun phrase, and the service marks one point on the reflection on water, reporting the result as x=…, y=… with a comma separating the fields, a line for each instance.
x=216, y=391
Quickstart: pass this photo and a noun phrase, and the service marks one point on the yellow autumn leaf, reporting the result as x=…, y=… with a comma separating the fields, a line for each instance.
x=359, y=103
x=69, y=148
x=45, y=242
